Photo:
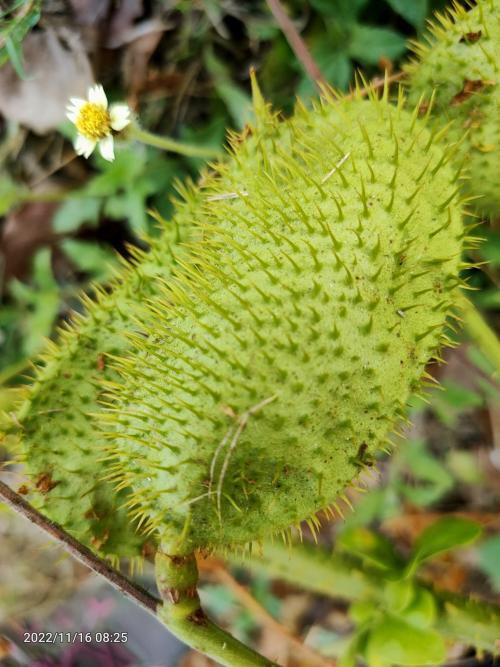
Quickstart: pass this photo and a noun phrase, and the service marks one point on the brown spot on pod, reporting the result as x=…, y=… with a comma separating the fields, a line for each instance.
x=45, y=483
x=470, y=87
x=471, y=37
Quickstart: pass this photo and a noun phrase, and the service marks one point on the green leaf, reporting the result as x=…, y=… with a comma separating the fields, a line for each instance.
x=372, y=547
x=127, y=166
x=488, y=299
x=210, y=135
x=490, y=249
x=362, y=611
x=342, y=10
x=219, y=600
x=378, y=503
x=355, y=647
x=335, y=66
x=12, y=8
x=90, y=258
x=489, y=558
x=421, y=612
x=262, y=591
x=15, y=54
x=448, y=404
x=464, y=466
x=431, y=479
x=444, y=534
x=41, y=302
x=398, y=594
x=75, y=212
x=394, y=641
x=460, y=397
x=369, y=44
x=477, y=356
x=13, y=31
x=131, y=207
x=237, y=101
x=413, y=11
x=10, y=193
x=126, y=183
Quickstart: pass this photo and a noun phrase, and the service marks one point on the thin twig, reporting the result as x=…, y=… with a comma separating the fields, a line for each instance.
x=304, y=56
x=130, y=589
x=296, y=42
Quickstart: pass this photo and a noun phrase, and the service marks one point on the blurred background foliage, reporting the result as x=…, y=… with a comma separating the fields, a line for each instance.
x=183, y=66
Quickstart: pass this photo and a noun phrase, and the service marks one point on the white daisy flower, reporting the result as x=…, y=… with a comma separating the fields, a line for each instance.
x=95, y=122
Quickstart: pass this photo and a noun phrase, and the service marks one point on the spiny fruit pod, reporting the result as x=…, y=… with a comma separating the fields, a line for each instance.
x=285, y=346
x=60, y=442
x=458, y=72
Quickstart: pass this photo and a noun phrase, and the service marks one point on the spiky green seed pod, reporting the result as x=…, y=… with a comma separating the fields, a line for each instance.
x=284, y=349
x=461, y=64
x=62, y=446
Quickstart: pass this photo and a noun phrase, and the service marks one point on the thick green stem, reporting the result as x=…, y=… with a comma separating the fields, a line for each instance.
x=468, y=621
x=177, y=578
x=315, y=569
x=340, y=576
x=481, y=333
x=167, y=144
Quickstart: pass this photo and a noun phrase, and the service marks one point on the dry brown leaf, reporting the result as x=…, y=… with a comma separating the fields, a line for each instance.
x=57, y=68
x=135, y=62
x=89, y=12
x=25, y=230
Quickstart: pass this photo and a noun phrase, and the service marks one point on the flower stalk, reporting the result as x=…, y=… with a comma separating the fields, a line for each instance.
x=98, y=124
x=171, y=145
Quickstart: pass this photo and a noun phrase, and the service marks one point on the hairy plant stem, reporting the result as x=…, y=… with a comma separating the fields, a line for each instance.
x=171, y=145
x=177, y=578
x=481, y=333
x=341, y=576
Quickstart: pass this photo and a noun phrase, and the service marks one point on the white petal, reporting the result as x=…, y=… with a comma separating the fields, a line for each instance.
x=76, y=102
x=84, y=146
x=120, y=116
x=106, y=148
x=72, y=115
x=73, y=108
x=97, y=95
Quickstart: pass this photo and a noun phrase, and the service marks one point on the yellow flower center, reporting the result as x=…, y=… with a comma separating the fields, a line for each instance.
x=93, y=121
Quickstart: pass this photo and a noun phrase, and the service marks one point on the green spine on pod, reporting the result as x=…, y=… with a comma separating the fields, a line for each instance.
x=285, y=346
x=458, y=72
